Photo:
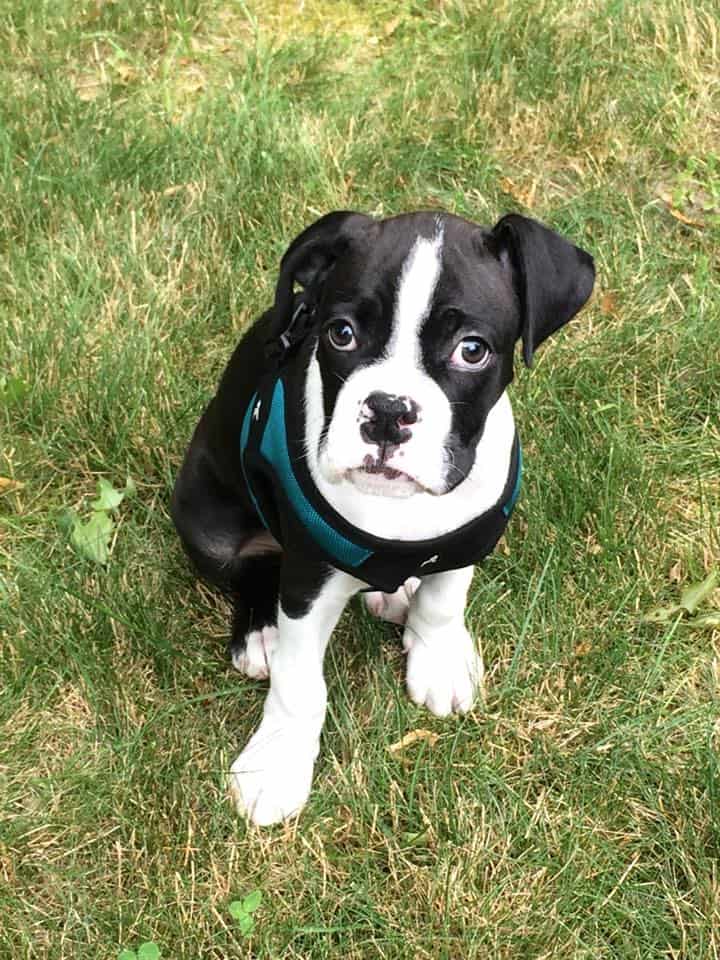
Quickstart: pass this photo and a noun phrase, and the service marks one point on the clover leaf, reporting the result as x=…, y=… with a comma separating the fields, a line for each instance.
x=242, y=911
x=92, y=538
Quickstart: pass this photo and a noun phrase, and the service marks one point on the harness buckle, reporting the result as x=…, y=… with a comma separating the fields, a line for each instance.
x=277, y=349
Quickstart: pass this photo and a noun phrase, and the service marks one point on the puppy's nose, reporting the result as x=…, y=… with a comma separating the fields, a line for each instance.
x=390, y=416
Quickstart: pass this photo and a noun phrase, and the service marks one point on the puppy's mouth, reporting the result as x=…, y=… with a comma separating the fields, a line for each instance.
x=371, y=465
x=376, y=477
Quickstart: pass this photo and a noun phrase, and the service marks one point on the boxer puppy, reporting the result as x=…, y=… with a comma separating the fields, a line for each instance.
x=362, y=439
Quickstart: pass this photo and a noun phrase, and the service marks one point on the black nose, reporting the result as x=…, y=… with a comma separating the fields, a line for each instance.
x=391, y=415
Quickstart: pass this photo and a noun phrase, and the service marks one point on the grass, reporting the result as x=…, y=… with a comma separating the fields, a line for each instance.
x=155, y=160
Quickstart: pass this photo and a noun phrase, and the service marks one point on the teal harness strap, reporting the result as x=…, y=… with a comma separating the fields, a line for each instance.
x=244, y=435
x=274, y=449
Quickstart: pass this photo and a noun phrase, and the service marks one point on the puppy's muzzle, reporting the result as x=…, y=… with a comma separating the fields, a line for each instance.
x=388, y=418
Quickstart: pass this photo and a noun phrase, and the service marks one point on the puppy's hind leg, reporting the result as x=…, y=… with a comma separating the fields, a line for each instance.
x=226, y=543
x=254, y=626
x=392, y=607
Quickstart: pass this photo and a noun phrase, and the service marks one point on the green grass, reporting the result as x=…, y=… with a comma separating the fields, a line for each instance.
x=155, y=160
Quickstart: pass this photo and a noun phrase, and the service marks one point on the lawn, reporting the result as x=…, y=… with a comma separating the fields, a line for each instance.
x=155, y=161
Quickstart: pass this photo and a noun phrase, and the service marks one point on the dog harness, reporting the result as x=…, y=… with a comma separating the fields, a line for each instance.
x=301, y=520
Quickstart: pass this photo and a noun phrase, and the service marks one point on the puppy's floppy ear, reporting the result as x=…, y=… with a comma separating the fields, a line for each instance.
x=311, y=255
x=552, y=277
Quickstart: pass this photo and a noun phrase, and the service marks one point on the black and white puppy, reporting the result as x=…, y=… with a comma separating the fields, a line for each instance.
x=361, y=438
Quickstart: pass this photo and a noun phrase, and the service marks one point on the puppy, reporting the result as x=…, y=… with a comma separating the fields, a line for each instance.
x=361, y=439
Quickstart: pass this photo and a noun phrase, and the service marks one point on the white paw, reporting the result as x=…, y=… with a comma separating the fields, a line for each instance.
x=445, y=673
x=392, y=607
x=271, y=778
x=254, y=659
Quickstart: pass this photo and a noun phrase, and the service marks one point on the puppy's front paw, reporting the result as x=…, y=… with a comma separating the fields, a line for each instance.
x=445, y=673
x=270, y=780
x=254, y=656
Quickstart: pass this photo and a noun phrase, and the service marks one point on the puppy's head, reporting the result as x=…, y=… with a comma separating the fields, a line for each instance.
x=415, y=326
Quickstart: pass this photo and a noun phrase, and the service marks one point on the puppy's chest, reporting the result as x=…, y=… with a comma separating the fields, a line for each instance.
x=288, y=503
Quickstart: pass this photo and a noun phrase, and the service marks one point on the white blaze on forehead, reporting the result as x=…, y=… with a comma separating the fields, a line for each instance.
x=418, y=279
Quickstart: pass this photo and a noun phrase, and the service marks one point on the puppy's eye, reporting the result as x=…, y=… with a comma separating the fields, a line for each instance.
x=341, y=335
x=472, y=353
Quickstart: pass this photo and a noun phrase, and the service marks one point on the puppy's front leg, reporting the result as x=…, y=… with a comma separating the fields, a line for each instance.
x=443, y=668
x=271, y=778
